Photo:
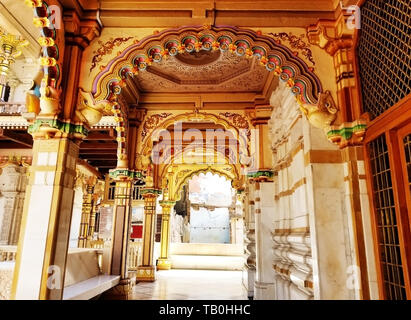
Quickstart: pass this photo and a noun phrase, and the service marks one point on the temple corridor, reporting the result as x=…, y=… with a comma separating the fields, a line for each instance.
x=192, y=285
x=205, y=149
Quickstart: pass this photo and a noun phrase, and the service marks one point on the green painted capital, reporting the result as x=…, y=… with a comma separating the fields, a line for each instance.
x=259, y=174
x=167, y=203
x=153, y=191
x=125, y=173
x=346, y=132
x=65, y=127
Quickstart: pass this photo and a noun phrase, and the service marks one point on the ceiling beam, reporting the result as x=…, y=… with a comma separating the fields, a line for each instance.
x=23, y=139
x=95, y=145
x=86, y=152
x=100, y=157
x=96, y=135
x=258, y=13
x=8, y=144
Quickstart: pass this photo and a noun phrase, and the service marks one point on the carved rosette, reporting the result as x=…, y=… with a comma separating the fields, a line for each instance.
x=238, y=120
x=153, y=121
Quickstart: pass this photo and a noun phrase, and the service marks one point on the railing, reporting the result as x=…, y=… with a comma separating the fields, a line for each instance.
x=8, y=253
x=10, y=108
x=97, y=244
x=134, y=255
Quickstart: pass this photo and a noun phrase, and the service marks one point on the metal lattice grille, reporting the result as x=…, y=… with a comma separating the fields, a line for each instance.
x=137, y=186
x=111, y=191
x=158, y=228
x=384, y=54
x=388, y=240
x=407, y=147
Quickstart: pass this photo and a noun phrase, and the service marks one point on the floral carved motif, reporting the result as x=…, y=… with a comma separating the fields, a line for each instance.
x=238, y=121
x=296, y=42
x=106, y=48
x=153, y=121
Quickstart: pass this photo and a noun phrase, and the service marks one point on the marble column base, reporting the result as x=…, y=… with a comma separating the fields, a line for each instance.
x=163, y=264
x=122, y=291
x=264, y=290
x=146, y=273
x=250, y=278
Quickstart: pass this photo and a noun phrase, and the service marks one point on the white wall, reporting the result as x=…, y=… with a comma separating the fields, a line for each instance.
x=76, y=217
x=208, y=226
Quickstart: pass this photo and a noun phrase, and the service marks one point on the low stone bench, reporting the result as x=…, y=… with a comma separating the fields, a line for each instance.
x=90, y=288
x=83, y=278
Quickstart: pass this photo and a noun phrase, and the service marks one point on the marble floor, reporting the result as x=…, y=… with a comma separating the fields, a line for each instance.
x=192, y=285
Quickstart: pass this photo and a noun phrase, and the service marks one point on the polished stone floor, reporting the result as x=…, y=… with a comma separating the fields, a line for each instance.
x=192, y=285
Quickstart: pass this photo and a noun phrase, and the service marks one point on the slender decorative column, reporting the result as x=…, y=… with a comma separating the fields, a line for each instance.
x=87, y=209
x=92, y=220
x=260, y=176
x=146, y=272
x=264, y=220
x=249, y=241
x=121, y=233
x=236, y=219
x=164, y=262
x=10, y=49
x=12, y=188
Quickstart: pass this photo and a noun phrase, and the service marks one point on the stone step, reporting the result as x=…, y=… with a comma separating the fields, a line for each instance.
x=207, y=262
x=207, y=249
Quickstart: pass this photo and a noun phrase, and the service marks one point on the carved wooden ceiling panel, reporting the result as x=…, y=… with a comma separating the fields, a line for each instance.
x=203, y=72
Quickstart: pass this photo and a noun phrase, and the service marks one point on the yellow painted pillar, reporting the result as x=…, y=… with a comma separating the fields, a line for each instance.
x=92, y=221
x=147, y=270
x=45, y=229
x=121, y=234
x=86, y=212
x=164, y=262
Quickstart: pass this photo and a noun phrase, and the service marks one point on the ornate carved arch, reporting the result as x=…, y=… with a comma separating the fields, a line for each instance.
x=152, y=135
x=271, y=54
x=243, y=42
x=183, y=175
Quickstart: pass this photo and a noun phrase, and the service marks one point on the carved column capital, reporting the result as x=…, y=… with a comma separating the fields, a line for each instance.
x=337, y=38
x=259, y=114
x=81, y=31
x=331, y=35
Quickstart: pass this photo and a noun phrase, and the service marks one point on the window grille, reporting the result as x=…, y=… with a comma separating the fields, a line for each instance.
x=407, y=147
x=137, y=186
x=384, y=53
x=387, y=228
x=111, y=191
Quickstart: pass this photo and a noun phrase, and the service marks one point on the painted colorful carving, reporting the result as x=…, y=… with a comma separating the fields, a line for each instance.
x=272, y=55
x=238, y=121
x=152, y=121
x=296, y=42
x=106, y=48
x=347, y=134
x=50, y=41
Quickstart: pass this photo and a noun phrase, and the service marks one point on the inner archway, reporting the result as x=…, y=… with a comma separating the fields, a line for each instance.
x=206, y=210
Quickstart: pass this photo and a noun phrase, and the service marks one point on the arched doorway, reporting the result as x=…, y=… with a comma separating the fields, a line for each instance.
x=204, y=79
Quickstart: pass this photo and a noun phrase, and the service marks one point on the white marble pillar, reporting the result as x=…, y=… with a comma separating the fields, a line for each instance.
x=13, y=182
x=76, y=217
x=264, y=223
x=249, y=243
